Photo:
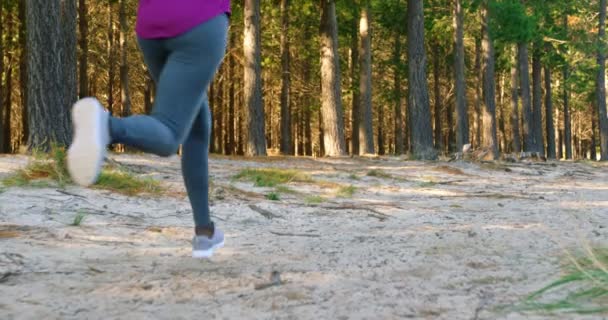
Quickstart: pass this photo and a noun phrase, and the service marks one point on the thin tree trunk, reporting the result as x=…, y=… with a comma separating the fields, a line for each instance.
x=549, y=112
x=8, y=139
x=437, y=95
x=356, y=102
x=528, y=117
x=231, y=100
x=593, y=142
x=84, y=48
x=256, y=144
x=124, y=65
x=381, y=132
x=399, y=135
x=331, y=102
x=111, y=58
x=462, y=117
x=418, y=101
x=366, y=131
x=489, y=113
x=515, y=109
x=25, y=132
x=286, y=141
x=478, y=93
x=601, y=84
x=566, y=99
x=504, y=145
x=3, y=124
x=537, y=118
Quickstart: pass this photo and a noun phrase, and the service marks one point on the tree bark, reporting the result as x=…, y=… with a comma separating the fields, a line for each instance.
x=566, y=99
x=601, y=83
x=489, y=111
x=50, y=79
x=515, y=109
x=356, y=96
x=111, y=58
x=366, y=131
x=528, y=130
x=593, y=142
x=437, y=95
x=8, y=112
x=286, y=141
x=124, y=65
x=3, y=147
x=331, y=102
x=418, y=99
x=256, y=141
x=462, y=117
x=478, y=93
x=84, y=48
x=537, y=118
x=399, y=134
x=231, y=147
x=23, y=74
x=549, y=112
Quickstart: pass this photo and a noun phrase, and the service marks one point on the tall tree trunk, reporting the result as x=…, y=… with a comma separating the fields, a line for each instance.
x=84, y=48
x=69, y=38
x=437, y=95
x=501, y=115
x=331, y=102
x=124, y=65
x=355, y=84
x=418, y=100
x=489, y=111
x=462, y=117
x=515, y=109
x=593, y=142
x=256, y=144
x=366, y=131
x=549, y=112
x=566, y=99
x=601, y=83
x=23, y=75
x=399, y=135
x=111, y=58
x=381, y=132
x=478, y=93
x=537, y=118
x=3, y=148
x=231, y=101
x=8, y=137
x=528, y=117
x=50, y=82
x=286, y=141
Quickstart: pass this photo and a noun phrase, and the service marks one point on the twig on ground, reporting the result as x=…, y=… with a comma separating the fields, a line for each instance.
x=267, y=214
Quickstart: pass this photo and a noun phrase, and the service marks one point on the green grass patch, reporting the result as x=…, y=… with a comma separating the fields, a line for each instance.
x=271, y=177
x=314, y=199
x=353, y=176
x=284, y=189
x=346, y=191
x=50, y=170
x=427, y=184
x=583, y=289
x=273, y=196
x=78, y=219
x=126, y=183
x=378, y=174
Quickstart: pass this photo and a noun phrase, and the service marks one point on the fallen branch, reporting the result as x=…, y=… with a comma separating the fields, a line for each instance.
x=267, y=214
x=295, y=234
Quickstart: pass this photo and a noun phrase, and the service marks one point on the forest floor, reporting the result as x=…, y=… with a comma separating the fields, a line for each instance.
x=368, y=238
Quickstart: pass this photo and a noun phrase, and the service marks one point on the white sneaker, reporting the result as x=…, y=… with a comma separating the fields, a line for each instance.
x=91, y=138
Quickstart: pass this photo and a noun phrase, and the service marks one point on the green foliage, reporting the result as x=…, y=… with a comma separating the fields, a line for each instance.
x=271, y=177
x=582, y=290
x=346, y=191
x=273, y=196
x=78, y=219
x=510, y=22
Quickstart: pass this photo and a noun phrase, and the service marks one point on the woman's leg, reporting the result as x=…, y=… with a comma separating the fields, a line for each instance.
x=195, y=168
x=191, y=63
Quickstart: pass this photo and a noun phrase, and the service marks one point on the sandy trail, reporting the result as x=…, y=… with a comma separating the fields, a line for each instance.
x=432, y=241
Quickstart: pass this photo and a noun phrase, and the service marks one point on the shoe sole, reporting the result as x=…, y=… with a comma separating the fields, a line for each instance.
x=206, y=254
x=87, y=152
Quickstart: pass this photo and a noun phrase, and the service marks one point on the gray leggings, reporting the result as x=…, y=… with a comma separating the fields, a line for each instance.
x=182, y=67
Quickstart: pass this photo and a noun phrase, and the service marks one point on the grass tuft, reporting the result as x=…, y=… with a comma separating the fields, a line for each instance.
x=314, y=200
x=271, y=177
x=353, y=176
x=126, y=183
x=273, y=196
x=378, y=174
x=284, y=189
x=346, y=191
x=78, y=219
x=582, y=290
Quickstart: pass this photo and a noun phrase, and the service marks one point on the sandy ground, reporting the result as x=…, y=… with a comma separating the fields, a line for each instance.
x=433, y=241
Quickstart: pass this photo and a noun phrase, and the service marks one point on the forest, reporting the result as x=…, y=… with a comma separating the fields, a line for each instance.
x=331, y=78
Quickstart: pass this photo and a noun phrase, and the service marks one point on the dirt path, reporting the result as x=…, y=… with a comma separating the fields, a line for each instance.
x=425, y=241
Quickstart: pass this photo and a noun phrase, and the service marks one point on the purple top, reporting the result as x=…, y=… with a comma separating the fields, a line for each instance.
x=167, y=19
